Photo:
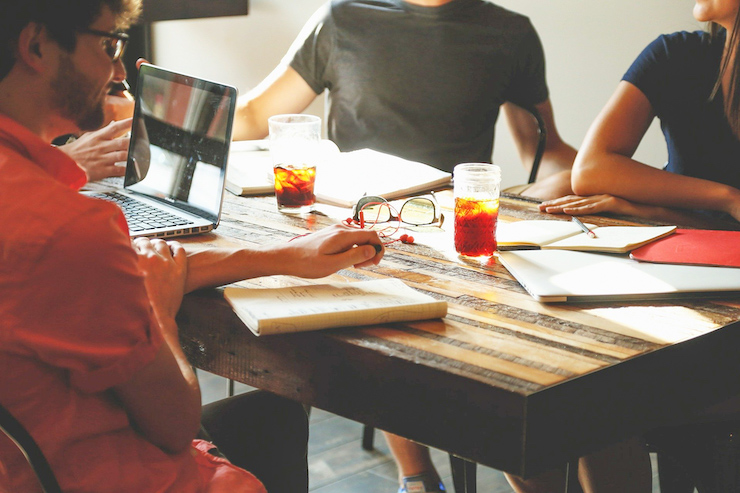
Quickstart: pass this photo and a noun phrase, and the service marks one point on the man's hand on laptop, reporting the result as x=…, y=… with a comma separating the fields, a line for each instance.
x=99, y=152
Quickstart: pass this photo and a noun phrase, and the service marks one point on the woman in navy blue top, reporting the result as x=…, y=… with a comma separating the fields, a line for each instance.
x=690, y=82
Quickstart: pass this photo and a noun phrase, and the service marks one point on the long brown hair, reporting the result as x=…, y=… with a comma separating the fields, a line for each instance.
x=730, y=62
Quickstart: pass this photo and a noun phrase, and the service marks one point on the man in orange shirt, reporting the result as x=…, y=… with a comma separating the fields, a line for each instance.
x=89, y=354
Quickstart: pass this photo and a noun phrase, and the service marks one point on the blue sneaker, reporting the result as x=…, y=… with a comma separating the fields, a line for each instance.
x=423, y=483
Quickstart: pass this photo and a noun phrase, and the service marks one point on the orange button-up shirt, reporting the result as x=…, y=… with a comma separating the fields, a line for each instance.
x=75, y=321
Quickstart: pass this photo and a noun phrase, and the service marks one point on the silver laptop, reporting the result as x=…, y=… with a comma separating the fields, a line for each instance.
x=570, y=276
x=176, y=166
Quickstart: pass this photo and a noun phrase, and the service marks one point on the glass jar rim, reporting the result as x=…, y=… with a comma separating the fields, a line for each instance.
x=478, y=168
x=294, y=118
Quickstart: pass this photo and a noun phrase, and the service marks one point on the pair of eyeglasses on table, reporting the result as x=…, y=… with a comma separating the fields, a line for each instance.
x=375, y=212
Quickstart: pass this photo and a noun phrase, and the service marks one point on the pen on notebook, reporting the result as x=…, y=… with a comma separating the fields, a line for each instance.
x=583, y=227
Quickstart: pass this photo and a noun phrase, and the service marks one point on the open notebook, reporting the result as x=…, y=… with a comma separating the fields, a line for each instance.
x=351, y=175
x=569, y=276
x=566, y=235
x=341, y=180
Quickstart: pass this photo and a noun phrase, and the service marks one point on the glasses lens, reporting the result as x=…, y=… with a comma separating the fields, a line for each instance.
x=373, y=209
x=418, y=211
x=109, y=46
x=376, y=212
x=116, y=49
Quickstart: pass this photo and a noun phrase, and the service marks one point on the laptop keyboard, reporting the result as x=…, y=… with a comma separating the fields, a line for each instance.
x=141, y=216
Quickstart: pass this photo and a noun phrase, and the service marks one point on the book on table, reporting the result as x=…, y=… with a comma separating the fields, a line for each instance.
x=341, y=179
x=351, y=175
x=268, y=311
x=693, y=247
x=566, y=235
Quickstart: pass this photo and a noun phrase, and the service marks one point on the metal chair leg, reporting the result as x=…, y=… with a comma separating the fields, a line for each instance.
x=463, y=475
x=368, y=437
x=572, y=485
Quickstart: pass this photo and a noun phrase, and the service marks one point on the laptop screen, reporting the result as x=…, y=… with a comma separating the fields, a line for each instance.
x=180, y=140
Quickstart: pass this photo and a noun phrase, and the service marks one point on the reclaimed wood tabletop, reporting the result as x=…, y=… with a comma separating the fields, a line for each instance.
x=502, y=380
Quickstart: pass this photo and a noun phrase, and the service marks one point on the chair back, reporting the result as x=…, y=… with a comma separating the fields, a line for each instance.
x=30, y=450
x=541, y=142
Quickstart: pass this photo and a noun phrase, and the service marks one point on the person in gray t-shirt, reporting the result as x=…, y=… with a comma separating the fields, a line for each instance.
x=420, y=79
x=423, y=80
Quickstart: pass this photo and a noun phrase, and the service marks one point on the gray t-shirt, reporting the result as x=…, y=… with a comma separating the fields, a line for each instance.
x=423, y=83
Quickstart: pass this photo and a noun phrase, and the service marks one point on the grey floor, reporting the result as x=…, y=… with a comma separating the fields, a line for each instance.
x=338, y=464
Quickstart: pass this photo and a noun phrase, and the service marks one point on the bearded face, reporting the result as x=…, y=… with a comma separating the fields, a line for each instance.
x=77, y=97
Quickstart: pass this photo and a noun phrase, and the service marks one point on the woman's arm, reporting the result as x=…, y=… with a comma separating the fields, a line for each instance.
x=604, y=164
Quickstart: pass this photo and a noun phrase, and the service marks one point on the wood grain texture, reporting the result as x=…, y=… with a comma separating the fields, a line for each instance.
x=502, y=380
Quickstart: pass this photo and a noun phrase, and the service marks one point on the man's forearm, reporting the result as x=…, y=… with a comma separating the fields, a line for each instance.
x=219, y=266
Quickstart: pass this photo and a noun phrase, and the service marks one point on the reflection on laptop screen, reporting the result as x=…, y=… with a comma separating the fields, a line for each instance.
x=180, y=138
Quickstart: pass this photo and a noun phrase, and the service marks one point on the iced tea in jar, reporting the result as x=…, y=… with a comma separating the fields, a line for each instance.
x=295, y=148
x=476, y=191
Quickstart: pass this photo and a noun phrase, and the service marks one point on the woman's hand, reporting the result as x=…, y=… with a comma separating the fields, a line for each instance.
x=576, y=205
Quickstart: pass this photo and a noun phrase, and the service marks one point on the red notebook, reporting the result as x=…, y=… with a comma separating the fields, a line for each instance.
x=694, y=247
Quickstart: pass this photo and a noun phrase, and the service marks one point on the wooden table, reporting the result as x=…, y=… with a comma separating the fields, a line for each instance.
x=503, y=380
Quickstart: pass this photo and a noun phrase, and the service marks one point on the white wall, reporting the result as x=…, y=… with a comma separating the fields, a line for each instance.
x=589, y=44
x=239, y=50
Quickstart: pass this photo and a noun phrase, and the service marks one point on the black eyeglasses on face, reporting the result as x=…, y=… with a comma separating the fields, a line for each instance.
x=113, y=43
x=417, y=211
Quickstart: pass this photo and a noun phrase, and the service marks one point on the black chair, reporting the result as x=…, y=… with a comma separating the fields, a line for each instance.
x=702, y=455
x=30, y=450
x=541, y=142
